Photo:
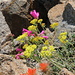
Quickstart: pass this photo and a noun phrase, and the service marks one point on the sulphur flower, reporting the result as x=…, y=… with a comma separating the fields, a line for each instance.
x=51, y=48
x=34, y=46
x=64, y=33
x=27, y=54
x=54, y=25
x=29, y=49
x=46, y=42
x=63, y=37
x=32, y=28
x=46, y=53
x=25, y=46
x=43, y=66
x=21, y=37
x=44, y=48
x=40, y=20
x=34, y=21
x=37, y=39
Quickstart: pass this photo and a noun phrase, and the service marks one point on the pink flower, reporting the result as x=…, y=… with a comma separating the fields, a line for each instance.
x=27, y=31
x=42, y=32
x=18, y=49
x=34, y=14
x=18, y=55
x=46, y=37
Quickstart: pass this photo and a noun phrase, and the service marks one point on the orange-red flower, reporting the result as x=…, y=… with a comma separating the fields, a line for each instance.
x=30, y=72
x=23, y=74
x=44, y=66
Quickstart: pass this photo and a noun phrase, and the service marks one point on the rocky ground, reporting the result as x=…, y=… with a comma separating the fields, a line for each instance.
x=12, y=66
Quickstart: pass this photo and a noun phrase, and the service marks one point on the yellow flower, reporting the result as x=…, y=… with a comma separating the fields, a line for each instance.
x=29, y=50
x=21, y=37
x=34, y=46
x=51, y=48
x=27, y=54
x=46, y=42
x=37, y=39
x=54, y=25
x=40, y=20
x=63, y=37
x=25, y=46
x=44, y=48
x=64, y=33
x=45, y=53
x=43, y=24
x=32, y=28
x=34, y=21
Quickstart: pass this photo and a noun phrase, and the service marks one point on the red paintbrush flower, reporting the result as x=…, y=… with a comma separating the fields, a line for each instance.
x=23, y=74
x=31, y=71
x=44, y=66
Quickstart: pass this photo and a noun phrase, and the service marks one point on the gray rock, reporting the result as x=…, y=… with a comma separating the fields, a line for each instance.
x=69, y=13
x=11, y=66
x=16, y=15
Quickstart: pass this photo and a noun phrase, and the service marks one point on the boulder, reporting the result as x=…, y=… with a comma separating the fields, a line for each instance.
x=63, y=12
x=16, y=15
x=11, y=66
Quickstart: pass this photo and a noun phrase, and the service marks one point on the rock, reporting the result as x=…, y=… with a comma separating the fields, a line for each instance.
x=69, y=13
x=64, y=71
x=11, y=66
x=7, y=38
x=65, y=27
x=16, y=16
x=4, y=29
x=55, y=13
x=6, y=48
x=63, y=12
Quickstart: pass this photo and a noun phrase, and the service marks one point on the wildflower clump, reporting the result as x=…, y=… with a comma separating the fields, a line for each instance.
x=35, y=45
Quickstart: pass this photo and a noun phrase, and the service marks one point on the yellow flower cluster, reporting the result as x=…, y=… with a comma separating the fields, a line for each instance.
x=54, y=25
x=47, y=51
x=62, y=37
x=40, y=20
x=37, y=39
x=32, y=28
x=34, y=21
x=46, y=42
x=29, y=49
x=24, y=47
x=22, y=37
